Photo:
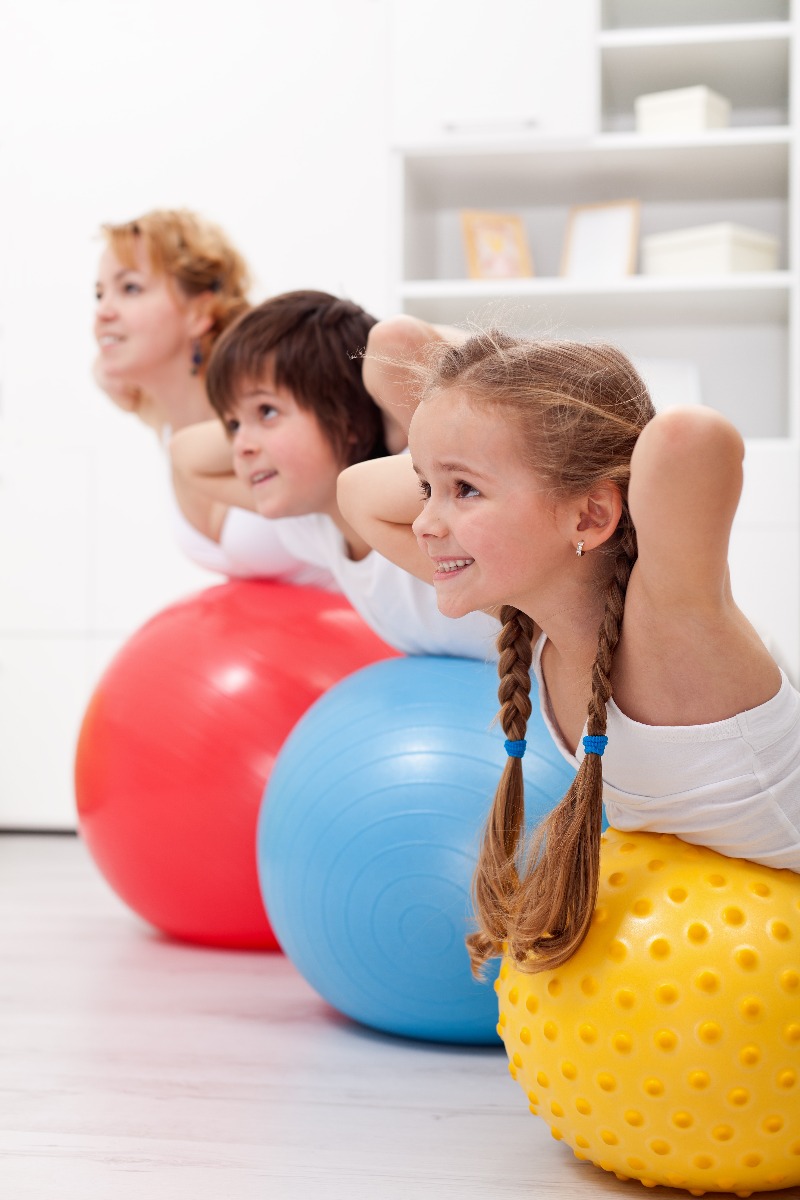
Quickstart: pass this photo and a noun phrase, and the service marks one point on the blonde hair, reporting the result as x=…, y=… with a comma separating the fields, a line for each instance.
x=192, y=252
x=577, y=412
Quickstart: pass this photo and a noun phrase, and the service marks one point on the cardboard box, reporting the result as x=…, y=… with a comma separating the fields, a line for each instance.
x=709, y=250
x=682, y=110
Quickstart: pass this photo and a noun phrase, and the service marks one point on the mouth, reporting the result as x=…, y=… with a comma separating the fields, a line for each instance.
x=109, y=339
x=446, y=568
x=260, y=477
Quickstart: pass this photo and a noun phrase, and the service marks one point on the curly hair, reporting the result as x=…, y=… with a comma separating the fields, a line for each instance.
x=195, y=255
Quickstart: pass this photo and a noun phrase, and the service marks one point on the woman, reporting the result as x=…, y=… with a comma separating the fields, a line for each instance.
x=168, y=284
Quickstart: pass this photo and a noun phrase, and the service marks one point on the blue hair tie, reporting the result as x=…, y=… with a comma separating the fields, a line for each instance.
x=595, y=743
x=516, y=749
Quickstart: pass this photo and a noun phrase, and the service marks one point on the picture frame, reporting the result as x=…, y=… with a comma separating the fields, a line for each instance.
x=601, y=241
x=496, y=245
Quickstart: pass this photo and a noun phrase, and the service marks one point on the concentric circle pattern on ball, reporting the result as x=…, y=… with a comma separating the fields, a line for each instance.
x=369, y=835
x=668, y=1048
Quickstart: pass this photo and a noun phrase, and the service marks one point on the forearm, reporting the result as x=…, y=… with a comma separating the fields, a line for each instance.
x=201, y=451
x=380, y=499
x=394, y=363
x=379, y=491
x=202, y=463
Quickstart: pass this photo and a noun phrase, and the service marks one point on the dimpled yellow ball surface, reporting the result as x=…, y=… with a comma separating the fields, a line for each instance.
x=668, y=1048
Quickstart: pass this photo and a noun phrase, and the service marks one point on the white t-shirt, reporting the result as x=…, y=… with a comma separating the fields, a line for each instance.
x=732, y=785
x=400, y=608
x=250, y=547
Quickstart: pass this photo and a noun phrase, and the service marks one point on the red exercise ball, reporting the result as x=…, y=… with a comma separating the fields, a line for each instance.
x=179, y=740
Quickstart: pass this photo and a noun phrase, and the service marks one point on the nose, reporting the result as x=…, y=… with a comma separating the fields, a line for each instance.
x=105, y=308
x=242, y=443
x=428, y=523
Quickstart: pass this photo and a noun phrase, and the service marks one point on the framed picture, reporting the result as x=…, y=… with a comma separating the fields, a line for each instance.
x=601, y=241
x=496, y=246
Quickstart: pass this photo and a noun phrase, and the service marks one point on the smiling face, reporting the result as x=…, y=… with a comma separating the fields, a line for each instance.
x=142, y=325
x=493, y=529
x=282, y=453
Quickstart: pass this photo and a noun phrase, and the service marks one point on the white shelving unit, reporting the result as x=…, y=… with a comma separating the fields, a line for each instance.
x=740, y=331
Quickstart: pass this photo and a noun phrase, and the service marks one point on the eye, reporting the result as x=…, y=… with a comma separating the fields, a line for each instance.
x=465, y=490
x=130, y=288
x=98, y=293
x=425, y=489
x=231, y=426
x=267, y=411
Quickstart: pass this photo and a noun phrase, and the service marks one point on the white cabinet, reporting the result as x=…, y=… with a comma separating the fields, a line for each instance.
x=492, y=70
x=739, y=331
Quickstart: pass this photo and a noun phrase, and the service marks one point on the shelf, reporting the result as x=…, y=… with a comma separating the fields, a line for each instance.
x=744, y=299
x=648, y=13
x=667, y=36
x=747, y=63
x=745, y=163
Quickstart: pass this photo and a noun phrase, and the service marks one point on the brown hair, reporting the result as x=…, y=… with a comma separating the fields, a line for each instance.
x=195, y=254
x=311, y=343
x=578, y=410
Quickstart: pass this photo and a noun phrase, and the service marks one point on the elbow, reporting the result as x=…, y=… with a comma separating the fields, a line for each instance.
x=397, y=337
x=681, y=434
x=392, y=344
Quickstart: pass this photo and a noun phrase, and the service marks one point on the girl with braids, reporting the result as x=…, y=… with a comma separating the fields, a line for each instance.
x=551, y=491
x=168, y=284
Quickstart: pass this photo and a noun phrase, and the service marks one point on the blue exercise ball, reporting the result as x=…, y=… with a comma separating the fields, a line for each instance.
x=368, y=838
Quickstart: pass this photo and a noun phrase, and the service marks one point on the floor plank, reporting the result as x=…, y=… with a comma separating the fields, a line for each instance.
x=136, y=1067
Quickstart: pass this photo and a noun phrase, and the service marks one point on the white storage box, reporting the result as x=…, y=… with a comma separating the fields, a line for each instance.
x=709, y=250
x=682, y=110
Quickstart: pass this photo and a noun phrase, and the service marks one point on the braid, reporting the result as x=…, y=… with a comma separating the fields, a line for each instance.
x=496, y=880
x=555, y=900
x=514, y=669
x=611, y=626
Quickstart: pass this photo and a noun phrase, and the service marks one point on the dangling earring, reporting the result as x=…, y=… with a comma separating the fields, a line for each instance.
x=579, y=550
x=196, y=360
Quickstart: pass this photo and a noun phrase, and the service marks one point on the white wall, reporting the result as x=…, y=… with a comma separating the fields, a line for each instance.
x=269, y=117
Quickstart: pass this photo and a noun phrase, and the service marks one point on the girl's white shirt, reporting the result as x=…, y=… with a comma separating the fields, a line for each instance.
x=399, y=607
x=732, y=785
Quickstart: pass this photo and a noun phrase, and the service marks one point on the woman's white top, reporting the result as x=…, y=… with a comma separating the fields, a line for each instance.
x=249, y=548
x=400, y=608
x=733, y=785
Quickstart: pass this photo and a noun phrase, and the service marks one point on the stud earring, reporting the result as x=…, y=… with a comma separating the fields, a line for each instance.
x=579, y=550
x=196, y=360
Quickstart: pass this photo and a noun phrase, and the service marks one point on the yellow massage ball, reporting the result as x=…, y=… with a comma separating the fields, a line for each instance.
x=668, y=1048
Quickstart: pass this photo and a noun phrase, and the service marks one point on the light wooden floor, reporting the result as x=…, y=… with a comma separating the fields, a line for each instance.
x=131, y=1067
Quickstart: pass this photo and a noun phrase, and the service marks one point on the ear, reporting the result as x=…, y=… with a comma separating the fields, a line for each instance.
x=597, y=515
x=199, y=317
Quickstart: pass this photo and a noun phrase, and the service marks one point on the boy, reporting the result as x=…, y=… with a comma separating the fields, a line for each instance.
x=286, y=382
